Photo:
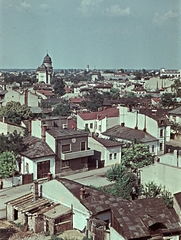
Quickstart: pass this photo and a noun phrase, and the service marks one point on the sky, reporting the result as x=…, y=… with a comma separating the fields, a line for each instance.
x=104, y=34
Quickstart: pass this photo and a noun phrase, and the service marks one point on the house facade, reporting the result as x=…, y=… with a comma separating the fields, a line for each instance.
x=106, y=150
x=37, y=159
x=98, y=122
x=150, y=121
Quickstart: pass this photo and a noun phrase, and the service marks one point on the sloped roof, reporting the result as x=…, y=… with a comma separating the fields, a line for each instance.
x=135, y=218
x=65, y=133
x=107, y=143
x=36, y=148
x=176, y=111
x=129, y=134
x=110, y=112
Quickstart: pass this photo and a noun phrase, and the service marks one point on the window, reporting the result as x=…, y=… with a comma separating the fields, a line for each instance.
x=27, y=167
x=161, y=133
x=66, y=148
x=91, y=125
x=110, y=156
x=153, y=148
x=100, y=128
x=82, y=146
x=161, y=146
x=86, y=125
x=66, y=163
x=115, y=155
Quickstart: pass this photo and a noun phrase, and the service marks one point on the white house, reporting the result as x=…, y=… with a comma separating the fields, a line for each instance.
x=106, y=150
x=25, y=97
x=37, y=158
x=153, y=122
x=98, y=121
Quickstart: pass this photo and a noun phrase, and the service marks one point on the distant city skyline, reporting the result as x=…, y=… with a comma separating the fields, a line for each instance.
x=105, y=34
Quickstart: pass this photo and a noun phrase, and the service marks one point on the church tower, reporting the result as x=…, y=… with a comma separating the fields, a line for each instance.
x=44, y=73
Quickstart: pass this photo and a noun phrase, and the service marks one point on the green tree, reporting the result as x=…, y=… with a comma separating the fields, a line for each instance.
x=176, y=127
x=116, y=172
x=168, y=100
x=62, y=109
x=176, y=87
x=136, y=156
x=95, y=100
x=59, y=86
x=7, y=164
x=15, y=112
x=151, y=189
x=115, y=93
x=12, y=142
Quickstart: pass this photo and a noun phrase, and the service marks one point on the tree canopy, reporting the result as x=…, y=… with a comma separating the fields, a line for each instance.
x=59, y=86
x=12, y=142
x=136, y=156
x=62, y=109
x=95, y=100
x=7, y=164
x=168, y=100
x=15, y=112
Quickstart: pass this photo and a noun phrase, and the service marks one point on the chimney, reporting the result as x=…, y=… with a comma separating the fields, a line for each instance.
x=82, y=192
x=35, y=190
x=136, y=127
x=26, y=97
x=43, y=132
x=29, y=127
x=144, y=129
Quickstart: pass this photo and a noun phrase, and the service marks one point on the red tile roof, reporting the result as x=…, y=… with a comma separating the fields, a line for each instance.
x=110, y=112
x=46, y=93
x=76, y=100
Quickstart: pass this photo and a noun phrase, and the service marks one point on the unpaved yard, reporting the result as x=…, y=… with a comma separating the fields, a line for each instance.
x=9, y=231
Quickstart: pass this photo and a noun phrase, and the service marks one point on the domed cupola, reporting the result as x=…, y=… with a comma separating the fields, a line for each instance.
x=47, y=59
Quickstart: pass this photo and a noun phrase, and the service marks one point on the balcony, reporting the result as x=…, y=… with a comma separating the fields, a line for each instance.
x=79, y=154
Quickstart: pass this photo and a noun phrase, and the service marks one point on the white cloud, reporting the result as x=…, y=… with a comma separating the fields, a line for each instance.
x=25, y=5
x=115, y=10
x=43, y=6
x=161, y=19
x=87, y=6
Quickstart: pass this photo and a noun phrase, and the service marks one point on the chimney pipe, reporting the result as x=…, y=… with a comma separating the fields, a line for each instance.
x=82, y=192
x=26, y=97
x=43, y=132
x=35, y=188
x=136, y=127
x=144, y=129
x=122, y=124
x=29, y=127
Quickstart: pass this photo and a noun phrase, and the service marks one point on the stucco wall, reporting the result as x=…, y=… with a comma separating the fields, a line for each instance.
x=57, y=192
x=162, y=174
x=114, y=235
x=33, y=165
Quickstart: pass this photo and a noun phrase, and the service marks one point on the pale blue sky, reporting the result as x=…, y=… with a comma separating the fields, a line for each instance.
x=105, y=34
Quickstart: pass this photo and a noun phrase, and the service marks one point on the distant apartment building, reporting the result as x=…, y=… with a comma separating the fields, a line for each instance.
x=170, y=73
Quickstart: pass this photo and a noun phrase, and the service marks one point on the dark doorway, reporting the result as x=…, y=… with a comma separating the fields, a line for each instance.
x=15, y=214
x=42, y=169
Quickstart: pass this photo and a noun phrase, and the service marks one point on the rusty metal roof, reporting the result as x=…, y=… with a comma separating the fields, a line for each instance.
x=36, y=148
x=135, y=218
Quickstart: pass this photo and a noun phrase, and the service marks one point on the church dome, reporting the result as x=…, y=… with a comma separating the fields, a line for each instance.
x=47, y=59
